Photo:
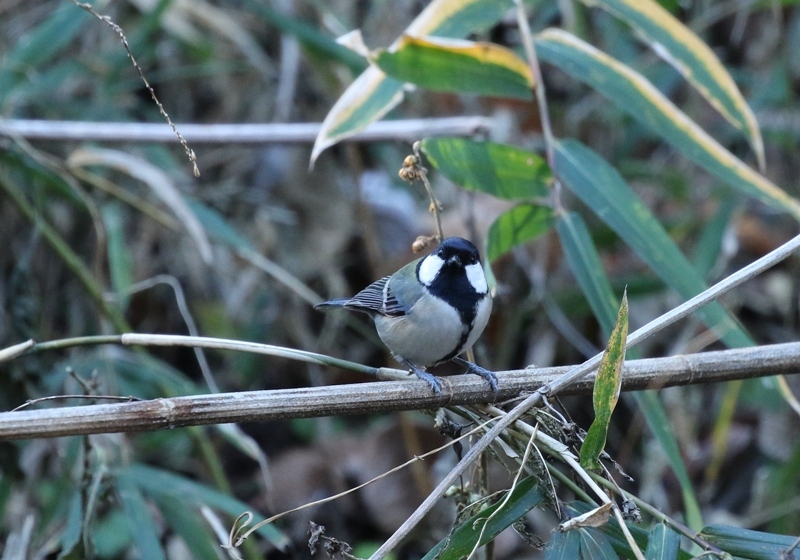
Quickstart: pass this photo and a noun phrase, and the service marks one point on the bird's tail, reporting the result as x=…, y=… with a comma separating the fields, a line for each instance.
x=334, y=303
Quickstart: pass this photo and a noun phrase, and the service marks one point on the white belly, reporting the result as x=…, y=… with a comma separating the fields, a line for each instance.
x=429, y=341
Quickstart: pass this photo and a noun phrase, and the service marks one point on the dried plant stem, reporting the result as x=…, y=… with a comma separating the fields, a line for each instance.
x=367, y=398
x=435, y=206
x=407, y=130
x=107, y=20
x=541, y=98
x=539, y=89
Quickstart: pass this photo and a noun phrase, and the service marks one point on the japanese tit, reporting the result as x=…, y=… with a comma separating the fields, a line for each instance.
x=431, y=310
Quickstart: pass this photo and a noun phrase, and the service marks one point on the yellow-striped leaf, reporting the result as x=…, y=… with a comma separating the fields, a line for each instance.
x=636, y=95
x=374, y=94
x=369, y=98
x=499, y=170
x=686, y=52
x=458, y=66
x=606, y=390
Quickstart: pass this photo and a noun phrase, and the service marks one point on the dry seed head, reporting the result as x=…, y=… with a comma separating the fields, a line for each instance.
x=422, y=242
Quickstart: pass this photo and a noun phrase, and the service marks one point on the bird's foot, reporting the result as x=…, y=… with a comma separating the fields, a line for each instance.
x=429, y=378
x=489, y=376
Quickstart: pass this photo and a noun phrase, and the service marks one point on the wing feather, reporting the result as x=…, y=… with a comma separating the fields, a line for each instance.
x=377, y=298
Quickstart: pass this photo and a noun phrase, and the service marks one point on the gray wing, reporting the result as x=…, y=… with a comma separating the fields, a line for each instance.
x=377, y=298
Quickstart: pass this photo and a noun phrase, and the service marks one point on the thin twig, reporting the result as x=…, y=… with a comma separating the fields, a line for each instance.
x=413, y=170
x=539, y=90
x=106, y=19
x=32, y=402
x=541, y=97
x=435, y=205
x=183, y=309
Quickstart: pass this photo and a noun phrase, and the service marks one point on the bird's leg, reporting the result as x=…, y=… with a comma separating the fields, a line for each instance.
x=429, y=378
x=489, y=376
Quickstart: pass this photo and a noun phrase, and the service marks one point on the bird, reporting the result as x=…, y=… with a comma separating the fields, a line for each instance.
x=430, y=311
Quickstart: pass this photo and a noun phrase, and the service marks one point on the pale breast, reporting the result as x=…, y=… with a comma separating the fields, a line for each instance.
x=425, y=335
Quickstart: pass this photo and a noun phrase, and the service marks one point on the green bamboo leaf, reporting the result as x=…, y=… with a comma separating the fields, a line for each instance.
x=606, y=390
x=578, y=247
x=612, y=531
x=39, y=46
x=455, y=19
x=373, y=93
x=139, y=520
x=563, y=546
x=524, y=497
x=693, y=58
x=745, y=543
x=709, y=244
x=584, y=261
x=499, y=170
x=634, y=94
x=135, y=374
x=217, y=226
x=120, y=262
x=112, y=535
x=186, y=523
x=164, y=485
x=368, y=99
x=519, y=225
x=71, y=542
x=457, y=66
x=309, y=35
x=595, y=545
x=660, y=426
x=663, y=543
x=603, y=190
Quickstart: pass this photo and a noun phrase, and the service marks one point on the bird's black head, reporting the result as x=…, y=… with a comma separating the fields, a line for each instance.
x=454, y=273
x=457, y=250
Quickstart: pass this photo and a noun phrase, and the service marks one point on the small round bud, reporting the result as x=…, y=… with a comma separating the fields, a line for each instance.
x=422, y=242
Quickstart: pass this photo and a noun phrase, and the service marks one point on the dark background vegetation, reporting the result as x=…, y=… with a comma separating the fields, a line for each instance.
x=349, y=221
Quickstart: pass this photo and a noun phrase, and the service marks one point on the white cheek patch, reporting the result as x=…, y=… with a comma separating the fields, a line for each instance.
x=429, y=269
x=476, y=277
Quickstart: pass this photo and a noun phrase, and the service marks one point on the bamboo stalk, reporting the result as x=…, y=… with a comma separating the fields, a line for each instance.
x=366, y=398
x=249, y=133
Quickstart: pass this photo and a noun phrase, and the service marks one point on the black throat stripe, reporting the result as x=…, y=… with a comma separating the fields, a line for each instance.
x=453, y=286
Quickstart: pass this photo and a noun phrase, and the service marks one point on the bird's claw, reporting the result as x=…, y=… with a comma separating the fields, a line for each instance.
x=489, y=376
x=430, y=379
